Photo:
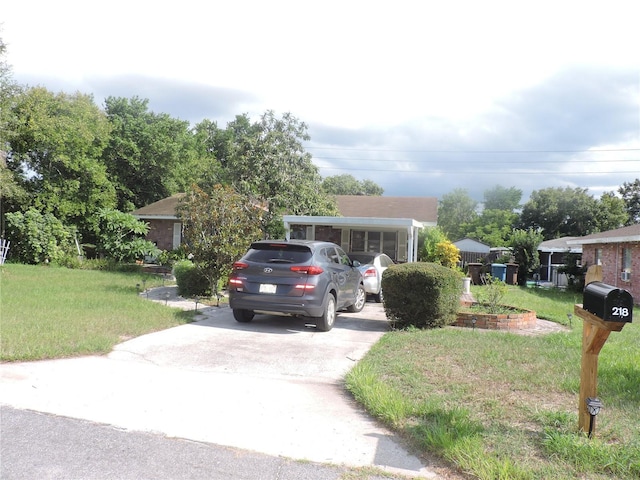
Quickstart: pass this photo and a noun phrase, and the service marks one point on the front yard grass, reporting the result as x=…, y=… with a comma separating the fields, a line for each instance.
x=505, y=406
x=49, y=312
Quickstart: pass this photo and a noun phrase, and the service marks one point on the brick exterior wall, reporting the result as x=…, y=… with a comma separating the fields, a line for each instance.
x=611, y=261
x=161, y=233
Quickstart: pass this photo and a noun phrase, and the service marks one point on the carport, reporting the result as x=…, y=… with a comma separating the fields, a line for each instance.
x=397, y=237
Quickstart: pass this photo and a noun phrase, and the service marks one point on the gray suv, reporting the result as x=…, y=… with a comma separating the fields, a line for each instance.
x=304, y=278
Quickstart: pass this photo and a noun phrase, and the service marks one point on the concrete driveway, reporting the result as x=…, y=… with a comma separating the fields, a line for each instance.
x=273, y=386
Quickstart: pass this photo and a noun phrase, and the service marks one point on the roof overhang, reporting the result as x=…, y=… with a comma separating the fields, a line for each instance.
x=355, y=221
x=156, y=217
x=591, y=241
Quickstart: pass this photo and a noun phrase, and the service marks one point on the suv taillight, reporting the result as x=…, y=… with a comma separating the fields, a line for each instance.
x=308, y=269
x=240, y=265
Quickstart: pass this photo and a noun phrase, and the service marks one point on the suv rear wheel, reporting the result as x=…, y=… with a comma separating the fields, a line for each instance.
x=242, y=316
x=328, y=318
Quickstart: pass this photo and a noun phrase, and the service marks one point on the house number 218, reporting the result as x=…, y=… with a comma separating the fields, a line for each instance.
x=620, y=311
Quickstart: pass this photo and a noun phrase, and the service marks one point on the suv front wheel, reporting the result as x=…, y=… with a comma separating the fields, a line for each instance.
x=361, y=299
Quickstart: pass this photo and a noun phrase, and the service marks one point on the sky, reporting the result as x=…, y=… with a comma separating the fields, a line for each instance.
x=420, y=97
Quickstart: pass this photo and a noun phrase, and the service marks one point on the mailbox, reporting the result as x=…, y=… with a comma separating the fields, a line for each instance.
x=608, y=303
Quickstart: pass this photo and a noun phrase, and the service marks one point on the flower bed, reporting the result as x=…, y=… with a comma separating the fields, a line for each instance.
x=517, y=319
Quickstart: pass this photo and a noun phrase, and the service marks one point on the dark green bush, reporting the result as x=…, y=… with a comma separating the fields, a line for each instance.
x=424, y=295
x=190, y=279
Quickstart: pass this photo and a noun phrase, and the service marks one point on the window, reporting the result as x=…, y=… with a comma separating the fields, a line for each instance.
x=598, y=257
x=626, y=260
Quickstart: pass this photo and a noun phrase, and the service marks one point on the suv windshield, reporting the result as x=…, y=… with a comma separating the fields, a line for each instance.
x=278, y=253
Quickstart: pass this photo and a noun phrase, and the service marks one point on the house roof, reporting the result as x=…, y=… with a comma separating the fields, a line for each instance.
x=619, y=235
x=162, y=209
x=423, y=209
x=559, y=245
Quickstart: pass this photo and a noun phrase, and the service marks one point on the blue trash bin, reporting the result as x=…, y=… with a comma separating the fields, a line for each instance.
x=499, y=270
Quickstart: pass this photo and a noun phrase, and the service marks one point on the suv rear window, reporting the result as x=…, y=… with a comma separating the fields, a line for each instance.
x=278, y=253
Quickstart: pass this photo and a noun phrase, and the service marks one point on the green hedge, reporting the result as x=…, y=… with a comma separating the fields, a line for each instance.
x=424, y=295
x=191, y=281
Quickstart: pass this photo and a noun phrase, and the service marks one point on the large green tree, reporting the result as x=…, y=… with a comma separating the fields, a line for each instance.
x=266, y=160
x=492, y=227
x=455, y=210
x=501, y=198
x=218, y=225
x=149, y=156
x=560, y=212
x=611, y=212
x=55, y=150
x=630, y=192
x=11, y=192
x=348, y=185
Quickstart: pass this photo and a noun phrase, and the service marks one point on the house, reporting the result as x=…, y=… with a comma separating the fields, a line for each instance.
x=551, y=254
x=618, y=251
x=370, y=224
x=165, y=228
x=367, y=223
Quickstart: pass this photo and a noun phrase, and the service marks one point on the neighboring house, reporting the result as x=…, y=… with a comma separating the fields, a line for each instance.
x=551, y=254
x=165, y=229
x=618, y=251
x=472, y=251
x=370, y=224
x=367, y=223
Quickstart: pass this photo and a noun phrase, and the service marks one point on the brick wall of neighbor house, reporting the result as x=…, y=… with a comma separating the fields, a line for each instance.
x=612, y=265
x=161, y=233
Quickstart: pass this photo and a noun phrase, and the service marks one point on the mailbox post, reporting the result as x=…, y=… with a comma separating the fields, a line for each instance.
x=605, y=309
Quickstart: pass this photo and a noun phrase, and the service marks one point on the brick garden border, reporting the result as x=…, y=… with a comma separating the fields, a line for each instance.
x=501, y=321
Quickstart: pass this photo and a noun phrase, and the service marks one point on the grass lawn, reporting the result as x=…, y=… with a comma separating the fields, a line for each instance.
x=48, y=312
x=505, y=406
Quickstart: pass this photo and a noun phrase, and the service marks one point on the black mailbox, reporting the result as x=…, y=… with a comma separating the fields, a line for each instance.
x=607, y=302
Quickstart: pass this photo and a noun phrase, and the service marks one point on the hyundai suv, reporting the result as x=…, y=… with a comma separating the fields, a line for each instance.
x=302, y=278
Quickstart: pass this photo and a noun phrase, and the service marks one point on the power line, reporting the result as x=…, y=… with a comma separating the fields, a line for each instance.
x=478, y=172
x=472, y=151
x=576, y=160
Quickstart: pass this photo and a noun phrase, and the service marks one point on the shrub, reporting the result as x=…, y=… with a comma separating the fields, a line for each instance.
x=36, y=237
x=190, y=279
x=424, y=295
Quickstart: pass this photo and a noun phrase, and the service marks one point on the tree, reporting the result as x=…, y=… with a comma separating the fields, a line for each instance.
x=428, y=239
x=454, y=211
x=218, y=227
x=121, y=236
x=630, y=192
x=525, y=252
x=500, y=198
x=149, y=156
x=266, y=160
x=492, y=227
x=560, y=212
x=348, y=185
x=611, y=212
x=55, y=151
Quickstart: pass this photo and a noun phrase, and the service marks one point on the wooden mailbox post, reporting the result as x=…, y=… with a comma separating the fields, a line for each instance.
x=595, y=332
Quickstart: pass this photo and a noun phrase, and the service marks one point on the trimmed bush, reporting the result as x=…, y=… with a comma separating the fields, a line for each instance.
x=190, y=279
x=423, y=295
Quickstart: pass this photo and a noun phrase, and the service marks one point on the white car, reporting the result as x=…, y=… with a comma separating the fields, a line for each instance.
x=372, y=265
